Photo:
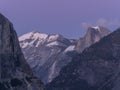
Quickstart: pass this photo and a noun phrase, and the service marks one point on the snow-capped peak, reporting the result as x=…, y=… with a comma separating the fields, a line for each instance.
x=32, y=38
x=96, y=28
x=33, y=35
x=36, y=39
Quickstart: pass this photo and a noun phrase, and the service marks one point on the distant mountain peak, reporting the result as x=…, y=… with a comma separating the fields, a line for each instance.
x=99, y=28
x=93, y=35
x=97, y=68
x=33, y=35
x=96, y=28
x=36, y=38
x=47, y=56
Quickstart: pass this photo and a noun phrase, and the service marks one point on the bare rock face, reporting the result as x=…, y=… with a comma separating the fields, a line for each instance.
x=96, y=68
x=93, y=35
x=15, y=73
x=47, y=53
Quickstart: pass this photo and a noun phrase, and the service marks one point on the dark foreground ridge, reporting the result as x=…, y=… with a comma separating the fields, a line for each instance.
x=97, y=68
x=15, y=73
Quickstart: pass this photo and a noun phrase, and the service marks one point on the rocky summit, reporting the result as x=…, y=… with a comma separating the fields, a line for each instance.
x=96, y=68
x=15, y=73
x=48, y=53
x=93, y=35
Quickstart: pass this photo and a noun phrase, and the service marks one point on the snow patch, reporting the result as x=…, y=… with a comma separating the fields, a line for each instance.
x=33, y=36
x=52, y=71
x=55, y=43
x=53, y=37
x=70, y=48
x=25, y=36
x=97, y=28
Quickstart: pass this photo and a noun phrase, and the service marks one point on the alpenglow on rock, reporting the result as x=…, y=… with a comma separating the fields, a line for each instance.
x=15, y=73
x=93, y=35
x=96, y=68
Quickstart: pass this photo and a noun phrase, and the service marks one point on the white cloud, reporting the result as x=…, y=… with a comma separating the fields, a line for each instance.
x=102, y=22
x=86, y=25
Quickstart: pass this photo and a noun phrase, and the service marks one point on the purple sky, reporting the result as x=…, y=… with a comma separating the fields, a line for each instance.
x=67, y=17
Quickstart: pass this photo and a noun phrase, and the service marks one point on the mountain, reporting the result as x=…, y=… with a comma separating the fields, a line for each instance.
x=15, y=73
x=93, y=35
x=96, y=68
x=47, y=54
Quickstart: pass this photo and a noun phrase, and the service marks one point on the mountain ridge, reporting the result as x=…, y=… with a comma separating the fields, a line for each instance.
x=96, y=68
x=93, y=35
x=56, y=52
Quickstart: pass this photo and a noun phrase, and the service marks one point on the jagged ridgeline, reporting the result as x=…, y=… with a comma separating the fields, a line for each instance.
x=47, y=54
x=97, y=68
x=15, y=73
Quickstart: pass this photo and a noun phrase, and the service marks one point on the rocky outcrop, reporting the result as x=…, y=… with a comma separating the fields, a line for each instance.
x=15, y=73
x=97, y=68
x=93, y=35
x=47, y=54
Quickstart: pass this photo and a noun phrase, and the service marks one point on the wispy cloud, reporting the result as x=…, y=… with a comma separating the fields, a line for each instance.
x=102, y=22
x=85, y=25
